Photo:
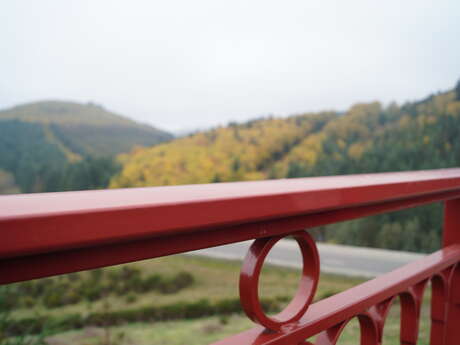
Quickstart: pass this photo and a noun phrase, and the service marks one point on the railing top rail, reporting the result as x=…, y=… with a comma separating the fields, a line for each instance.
x=38, y=223
x=382, y=185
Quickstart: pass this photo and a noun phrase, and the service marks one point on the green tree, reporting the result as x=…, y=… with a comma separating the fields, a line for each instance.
x=457, y=91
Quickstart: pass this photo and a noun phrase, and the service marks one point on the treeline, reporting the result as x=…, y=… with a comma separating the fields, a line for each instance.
x=27, y=155
x=233, y=153
x=128, y=283
x=88, y=173
x=56, y=146
x=86, y=129
x=29, y=163
x=367, y=138
x=411, y=137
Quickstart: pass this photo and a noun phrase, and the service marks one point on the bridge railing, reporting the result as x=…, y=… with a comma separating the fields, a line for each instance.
x=55, y=233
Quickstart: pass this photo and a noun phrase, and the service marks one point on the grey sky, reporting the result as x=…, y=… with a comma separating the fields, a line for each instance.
x=187, y=64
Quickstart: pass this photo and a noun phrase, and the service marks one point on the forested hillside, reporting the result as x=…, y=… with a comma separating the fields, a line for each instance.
x=50, y=146
x=55, y=146
x=234, y=153
x=367, y=138
x=86, y=129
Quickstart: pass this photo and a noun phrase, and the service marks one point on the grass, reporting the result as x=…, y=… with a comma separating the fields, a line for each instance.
x=350, y=335
x=190, y=332
x=214, y=280
x=209, y=330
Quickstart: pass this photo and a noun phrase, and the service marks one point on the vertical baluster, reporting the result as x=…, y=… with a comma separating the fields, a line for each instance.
x=452, y=329
x=438, y=308
x=452, y=236
x=451, y=233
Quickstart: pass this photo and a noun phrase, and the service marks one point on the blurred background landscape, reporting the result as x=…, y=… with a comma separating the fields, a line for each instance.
x=119, y=95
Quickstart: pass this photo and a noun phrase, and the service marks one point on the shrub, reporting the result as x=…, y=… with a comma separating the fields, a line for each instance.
x=128, y=272
x=74, y=277
x=106, y=318
x=152, y=282
x=27, y=301
x=52, y=300
x=183, y=280
x=131, y=298
x=134, y=283
x=92, y=292
x=228, y=306
x=176, y=283
x=71, y=297
x=97, y=274
x=66, y=322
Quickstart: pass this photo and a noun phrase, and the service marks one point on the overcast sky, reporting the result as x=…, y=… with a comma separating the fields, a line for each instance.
x=194, y=64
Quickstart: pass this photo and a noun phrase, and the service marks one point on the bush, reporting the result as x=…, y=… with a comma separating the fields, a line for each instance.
x=97, y=274
x=131, y=298
x=74, y=277
x=176, y=283
x=64, y=323
x=71, y=297
x=52, y=300
x=128, y=272
x=152, y=282
x=134, y=283
x=75, y=287
x=27, y=301
x=106, y=318
x=183, y=280
x=228, y=306
x=92, y=292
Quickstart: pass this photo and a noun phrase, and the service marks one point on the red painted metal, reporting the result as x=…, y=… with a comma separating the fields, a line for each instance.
x=439, y=290
x=452, y=326
x=451, y=236
x=331, y=311
x=48, y=234
x=451, y=222
x=61, y=221
x=249, y=281
x=367, y=325
x=88, y=225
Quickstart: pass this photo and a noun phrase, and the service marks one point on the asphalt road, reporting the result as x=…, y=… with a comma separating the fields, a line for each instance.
x=339, y=259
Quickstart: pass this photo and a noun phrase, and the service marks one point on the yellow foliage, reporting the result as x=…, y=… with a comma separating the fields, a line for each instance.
x=356, y=150
x=236, y=152
x=341, y=144
x=453, y=109
x=404, y=121
x=276, y=147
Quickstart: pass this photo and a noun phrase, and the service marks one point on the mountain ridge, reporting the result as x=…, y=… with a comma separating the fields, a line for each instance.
x=367, y=138
x=49, y=135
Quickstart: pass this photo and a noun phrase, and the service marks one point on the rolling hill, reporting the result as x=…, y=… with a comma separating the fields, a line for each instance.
x=40, y=137
x=53, y=146
x=369, y=137
x=86, y=129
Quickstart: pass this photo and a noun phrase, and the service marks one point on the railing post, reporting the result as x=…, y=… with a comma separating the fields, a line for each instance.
x=451, y=233
x=451, y=236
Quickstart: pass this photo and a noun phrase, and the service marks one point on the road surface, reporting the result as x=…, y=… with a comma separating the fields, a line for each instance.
x=338, y=259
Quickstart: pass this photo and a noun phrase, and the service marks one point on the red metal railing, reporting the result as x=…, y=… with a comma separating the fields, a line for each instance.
x=55, y=233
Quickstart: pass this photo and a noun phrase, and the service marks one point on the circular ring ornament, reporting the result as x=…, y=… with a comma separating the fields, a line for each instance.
x=249, y=281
